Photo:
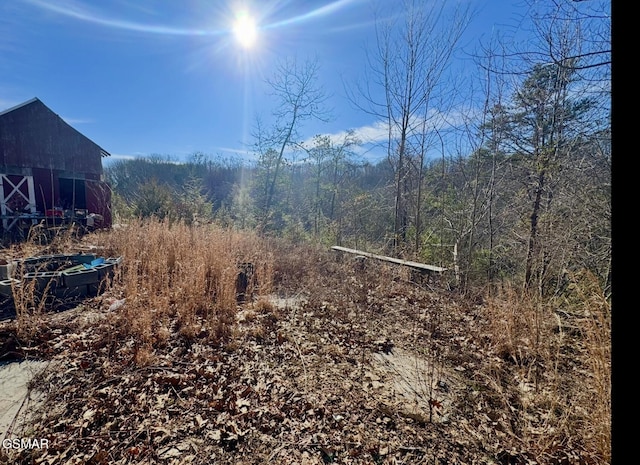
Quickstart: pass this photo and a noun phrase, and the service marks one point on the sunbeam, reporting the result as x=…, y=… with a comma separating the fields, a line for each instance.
x=80, y=12
x=314, y=14
x=244, y=27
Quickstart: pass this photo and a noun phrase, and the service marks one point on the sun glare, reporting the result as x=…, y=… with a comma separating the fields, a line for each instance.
x=245, y=30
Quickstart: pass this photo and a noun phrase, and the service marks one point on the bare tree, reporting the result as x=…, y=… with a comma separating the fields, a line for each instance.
x=565, y=100
x=478, y=171
x=586, y=24
x=326, y=158
x=560, y=104
x=407, y=65
x=299, y=98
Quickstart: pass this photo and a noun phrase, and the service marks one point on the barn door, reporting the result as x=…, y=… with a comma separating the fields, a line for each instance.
x=17, y=196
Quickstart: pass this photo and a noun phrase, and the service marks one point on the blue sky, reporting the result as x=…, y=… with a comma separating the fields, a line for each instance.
x=143, y=77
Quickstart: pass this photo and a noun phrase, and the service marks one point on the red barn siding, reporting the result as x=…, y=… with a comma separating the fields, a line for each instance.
x=34, y=141
x=46, y=188
x=99, y=200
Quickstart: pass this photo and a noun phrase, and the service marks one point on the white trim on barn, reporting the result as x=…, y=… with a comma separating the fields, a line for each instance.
x=15, y=192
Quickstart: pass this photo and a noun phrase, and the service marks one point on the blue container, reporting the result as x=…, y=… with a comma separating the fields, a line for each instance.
x=94, y=263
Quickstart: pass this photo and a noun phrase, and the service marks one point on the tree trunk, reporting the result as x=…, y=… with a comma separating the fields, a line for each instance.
x=532, y=249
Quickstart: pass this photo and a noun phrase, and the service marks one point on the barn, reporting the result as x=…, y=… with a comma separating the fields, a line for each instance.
x=49, y=172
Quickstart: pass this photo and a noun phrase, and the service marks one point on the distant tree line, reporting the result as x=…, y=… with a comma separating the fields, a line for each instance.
x=164, y=188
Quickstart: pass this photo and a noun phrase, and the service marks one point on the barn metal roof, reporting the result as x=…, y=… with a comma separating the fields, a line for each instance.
x=20, y=105
x=103, y=153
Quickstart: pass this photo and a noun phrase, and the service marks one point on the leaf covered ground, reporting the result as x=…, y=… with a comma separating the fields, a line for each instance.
x=344, y=362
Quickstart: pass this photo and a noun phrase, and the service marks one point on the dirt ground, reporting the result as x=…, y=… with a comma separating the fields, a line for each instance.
x=340, y=365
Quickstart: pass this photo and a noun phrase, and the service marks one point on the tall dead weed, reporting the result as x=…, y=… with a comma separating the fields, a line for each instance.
x=177, y=278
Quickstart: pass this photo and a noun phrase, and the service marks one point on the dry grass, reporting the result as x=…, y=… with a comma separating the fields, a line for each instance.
x=183, y=279
x=174, y=279
x=31, y=302
x=559, y=356
x=527, y=380
x=588, y=312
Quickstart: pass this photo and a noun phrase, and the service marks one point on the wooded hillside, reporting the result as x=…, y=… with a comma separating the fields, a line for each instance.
x=516, y=186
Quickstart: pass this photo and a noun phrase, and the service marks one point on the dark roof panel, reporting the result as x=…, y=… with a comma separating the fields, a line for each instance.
x=32, y=135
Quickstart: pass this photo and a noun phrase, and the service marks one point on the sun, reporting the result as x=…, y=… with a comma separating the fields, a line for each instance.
x=245, y=30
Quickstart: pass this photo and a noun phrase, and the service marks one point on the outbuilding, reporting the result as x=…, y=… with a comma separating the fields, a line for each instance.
x=49, y=172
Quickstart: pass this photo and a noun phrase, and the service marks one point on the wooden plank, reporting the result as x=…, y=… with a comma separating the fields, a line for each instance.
x=415, y=265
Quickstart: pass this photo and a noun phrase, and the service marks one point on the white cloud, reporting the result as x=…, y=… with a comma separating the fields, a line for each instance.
x=235, y=151
x=378, y=131
x=374, y=136
x=72, y=121
x=369, y=134
x=118, y=156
